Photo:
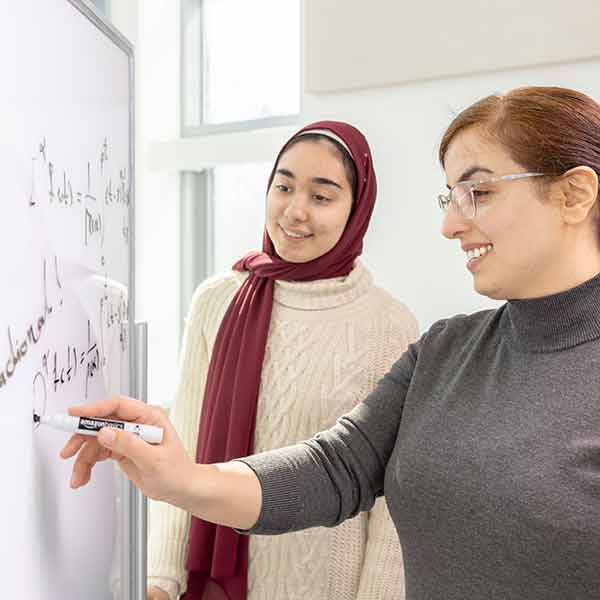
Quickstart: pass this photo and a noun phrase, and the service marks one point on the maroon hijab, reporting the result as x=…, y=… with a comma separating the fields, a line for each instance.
x=218, y=556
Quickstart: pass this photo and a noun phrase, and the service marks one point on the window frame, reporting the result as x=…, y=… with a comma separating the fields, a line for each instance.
x=196, y=236
x=194, y=64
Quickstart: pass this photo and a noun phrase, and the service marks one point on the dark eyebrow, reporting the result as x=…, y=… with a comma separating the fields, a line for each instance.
x=325, y=181
x=470, y=172
x=286, y=173
x=320, y=180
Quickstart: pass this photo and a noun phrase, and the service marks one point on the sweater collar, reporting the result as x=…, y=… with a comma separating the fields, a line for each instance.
x=558, y=321
x=323, y=293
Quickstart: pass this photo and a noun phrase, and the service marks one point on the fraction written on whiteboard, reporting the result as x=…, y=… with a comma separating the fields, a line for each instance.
x=95, y=197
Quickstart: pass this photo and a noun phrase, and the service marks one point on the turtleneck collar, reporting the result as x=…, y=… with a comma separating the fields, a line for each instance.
x=323, y=294
x=555, y=322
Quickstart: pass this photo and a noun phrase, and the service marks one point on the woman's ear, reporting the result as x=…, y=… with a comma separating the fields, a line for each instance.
x=579, y=193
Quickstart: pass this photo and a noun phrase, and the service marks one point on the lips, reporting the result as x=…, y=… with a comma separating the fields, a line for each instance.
x=477, y=251
x=473, y=261
x=295, y=235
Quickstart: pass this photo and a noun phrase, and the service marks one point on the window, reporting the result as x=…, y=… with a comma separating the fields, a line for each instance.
x=101, y=5
x=241, y=64
x=238, y=196
x=222, y=217
x=240, y=71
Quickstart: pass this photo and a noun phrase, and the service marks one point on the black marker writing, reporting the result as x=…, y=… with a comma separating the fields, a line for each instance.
x=19, y=346
x=51, y=176
x=61, y=367
x=93, y=226
x=103, y=155
x=63, y=193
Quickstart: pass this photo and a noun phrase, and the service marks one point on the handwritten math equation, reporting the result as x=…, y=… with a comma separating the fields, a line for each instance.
x=105, y=347
x=100, y=191
x=19, y=346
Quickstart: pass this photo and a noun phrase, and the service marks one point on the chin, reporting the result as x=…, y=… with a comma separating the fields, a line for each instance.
x=489, y=290
x=290, y=257
x=294, y=259
x=283, y=251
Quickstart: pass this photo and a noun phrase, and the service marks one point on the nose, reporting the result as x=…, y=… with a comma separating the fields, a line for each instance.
x=296, y=208
x=454, y=224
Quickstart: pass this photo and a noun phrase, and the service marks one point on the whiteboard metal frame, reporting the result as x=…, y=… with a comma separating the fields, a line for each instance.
x=138, y=523
x=132, y=530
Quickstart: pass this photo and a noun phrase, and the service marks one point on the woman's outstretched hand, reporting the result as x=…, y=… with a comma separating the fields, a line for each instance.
x=160, y=470
x=225, y=493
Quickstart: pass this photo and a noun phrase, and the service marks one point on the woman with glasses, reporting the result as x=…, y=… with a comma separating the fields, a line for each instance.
x=484, y=436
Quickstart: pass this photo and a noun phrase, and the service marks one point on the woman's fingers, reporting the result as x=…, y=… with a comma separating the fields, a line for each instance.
x=124, y=444
x=157, y=469
x=121, y=407
x=72, y=446
x=134, y=474
x=90, y=453
x=118, y=407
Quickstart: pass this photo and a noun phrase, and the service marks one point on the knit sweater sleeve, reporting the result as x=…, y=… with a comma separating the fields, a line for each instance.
x=340, y=471
x=169, y=526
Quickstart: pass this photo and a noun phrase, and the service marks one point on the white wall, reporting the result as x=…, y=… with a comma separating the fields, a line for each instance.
x=353, y=44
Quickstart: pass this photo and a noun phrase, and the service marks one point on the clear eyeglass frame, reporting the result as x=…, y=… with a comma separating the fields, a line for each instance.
x=461, y=195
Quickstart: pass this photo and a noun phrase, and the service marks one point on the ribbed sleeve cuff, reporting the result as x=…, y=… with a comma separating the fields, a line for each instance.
x=166, y=558
x=167, y=585
x=281, y=498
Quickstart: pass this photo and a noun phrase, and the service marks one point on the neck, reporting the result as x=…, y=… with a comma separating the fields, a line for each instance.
x=581, y=264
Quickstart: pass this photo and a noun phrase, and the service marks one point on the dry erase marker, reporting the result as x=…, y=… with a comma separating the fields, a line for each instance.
x=91, y=426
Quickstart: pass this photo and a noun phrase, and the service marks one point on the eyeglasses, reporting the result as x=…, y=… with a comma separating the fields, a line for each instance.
x=464, y=195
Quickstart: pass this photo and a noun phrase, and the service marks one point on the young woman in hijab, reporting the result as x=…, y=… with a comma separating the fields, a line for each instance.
x=273, y=351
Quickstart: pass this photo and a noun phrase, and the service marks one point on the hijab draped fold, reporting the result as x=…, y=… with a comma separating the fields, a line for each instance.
x=218, y=556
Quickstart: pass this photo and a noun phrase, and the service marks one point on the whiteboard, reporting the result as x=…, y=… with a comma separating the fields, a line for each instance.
x=66, y=117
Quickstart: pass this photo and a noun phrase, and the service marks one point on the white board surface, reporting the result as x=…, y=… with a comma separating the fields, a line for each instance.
x=65, y=243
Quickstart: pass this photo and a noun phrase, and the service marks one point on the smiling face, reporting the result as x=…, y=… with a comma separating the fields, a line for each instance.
x=309, y=201
x=519, y=228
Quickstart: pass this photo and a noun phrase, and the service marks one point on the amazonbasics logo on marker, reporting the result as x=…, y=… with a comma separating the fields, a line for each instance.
x=98, y=424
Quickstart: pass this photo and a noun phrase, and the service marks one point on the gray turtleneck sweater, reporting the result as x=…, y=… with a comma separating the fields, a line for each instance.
x=484, y=438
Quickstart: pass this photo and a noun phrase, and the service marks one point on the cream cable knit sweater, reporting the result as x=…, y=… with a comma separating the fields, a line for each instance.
x=329, y=343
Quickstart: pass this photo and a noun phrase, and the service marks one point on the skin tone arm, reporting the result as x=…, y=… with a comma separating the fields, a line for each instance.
x=224, y=493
